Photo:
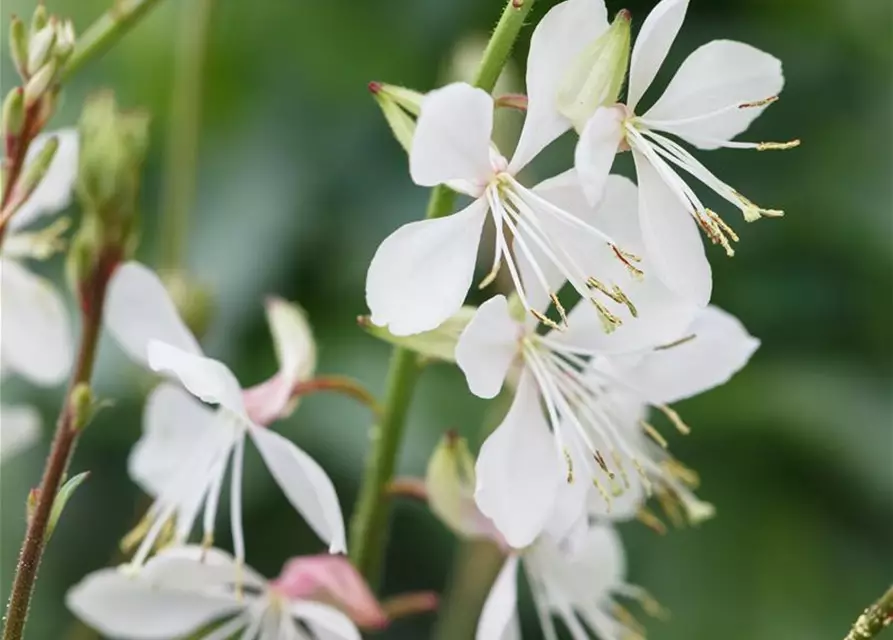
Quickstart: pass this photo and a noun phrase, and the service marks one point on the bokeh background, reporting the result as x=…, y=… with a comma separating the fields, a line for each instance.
x=299, y=180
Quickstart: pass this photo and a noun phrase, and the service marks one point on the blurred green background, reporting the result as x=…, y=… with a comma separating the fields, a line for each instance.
x=299, y=180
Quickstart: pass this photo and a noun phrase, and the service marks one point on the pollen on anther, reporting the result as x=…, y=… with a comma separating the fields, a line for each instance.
x=778, y=146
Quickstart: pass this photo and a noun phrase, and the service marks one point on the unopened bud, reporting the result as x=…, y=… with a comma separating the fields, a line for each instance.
x=450, y=481
x=39, y=19
x=596, y=75
x=194, y=302
x=39, y=83
x=437, y=344
x=13, y=113
x=113, y=149
x=18, y=45
x=65, y=41
x=38, y=167
x=81, y=406
x=400, y=107
x=39, y=47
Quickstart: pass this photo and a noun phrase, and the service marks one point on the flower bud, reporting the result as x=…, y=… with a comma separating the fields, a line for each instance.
x=596, y=75
x=39, y=19
x=113, y=148
x=40, y=46
x=13, y=113
x=438, y=344
x=18, y=44
x=65, y=41
x=39, y=83
x=37, y=168
x=400, y=107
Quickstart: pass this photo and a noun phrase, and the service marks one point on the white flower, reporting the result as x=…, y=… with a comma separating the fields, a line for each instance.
x=715, y=95
x=421, y=273
x=187, y=590
x=36, y=339
x=186, y=449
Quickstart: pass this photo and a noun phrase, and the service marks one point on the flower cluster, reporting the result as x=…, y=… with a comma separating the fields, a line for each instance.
x=603, y=323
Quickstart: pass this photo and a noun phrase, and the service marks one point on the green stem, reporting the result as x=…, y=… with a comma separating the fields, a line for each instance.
x=368, y=531
x=874, y=619
x=182, y=144
x=105, y=32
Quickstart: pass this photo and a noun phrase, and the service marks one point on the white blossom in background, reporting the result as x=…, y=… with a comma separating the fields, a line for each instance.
x=187, y=446
x=573, y=572
x=422, y=272
x=715, y=95
x=187, y=590
x=35, y=333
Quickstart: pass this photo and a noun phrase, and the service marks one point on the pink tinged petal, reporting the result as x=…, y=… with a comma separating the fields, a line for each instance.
x=333, y=580
x=719, y=347
x=716, y=79
x=652, y=45
x=595, y=151
x=498, y=617
x=671, y=237
x=488, y=346
x=661, y=315
x=53, y=194
x=205, y=378
x=563, y=33
x=296, y=352
x=36, y=341
x=139, y=309
x=305, y=484
x=120, y=605
x=421, y=273
x=518, y=470
x=325, y=621
x=452, y=136
x=19, y=430
x=175, y=426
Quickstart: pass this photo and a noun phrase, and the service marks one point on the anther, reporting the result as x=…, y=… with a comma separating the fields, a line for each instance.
x=601, y=490
x=570, y=466
x=675, y=419
x=609, y=321
x=655, y=435
x=601, y=463
x=646, y=483
x=554, y=298
x=651, y=521
x=619, y=463
x=628, y=259
x=778, y=146
x=615, y=293
x=758, y=103
x=676, y=343
x=546, y=321
x=490, y=277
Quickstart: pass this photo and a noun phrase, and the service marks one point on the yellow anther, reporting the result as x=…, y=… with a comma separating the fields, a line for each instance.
x=628, y=259
x=646, y=483
x=655, y=435
x=609, y=321
x=685, y=474
x=675, y=419
x=670, y=504
x=778, y=146
x=601, y=463
x=554, y=298
x=546, y=321
x=601, y=490
x=490, y=277
x=758, y=103
x=619, y=462
x=651, y=521
x=615, y=293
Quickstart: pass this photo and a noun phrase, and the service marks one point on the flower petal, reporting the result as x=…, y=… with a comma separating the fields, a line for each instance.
x=501, y=607
x=595, y=151
x=19, y=430
x=296, y=351
x=671, y=237
x=452, y=136
x=652, y=45
x=207, y=379
x=518, y=470
x=421, y=273
x=562, y=34
x=333, y=579
x=54, y=192
x=719, y=348
x=305, y=484
x=328, y=620
x=36, y=339
x=719, y=76
x=488, y=346
x=138, y=309
x=661, y=315
x=126, y=606
x=199, y=568
x=175, y=424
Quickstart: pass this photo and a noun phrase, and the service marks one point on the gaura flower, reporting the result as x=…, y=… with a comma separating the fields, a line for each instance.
x=717, y=92
x=36, y=341
x=421, y=273
x=572, y=572
x=184, y=453
x=187, y=590
x=579, y=376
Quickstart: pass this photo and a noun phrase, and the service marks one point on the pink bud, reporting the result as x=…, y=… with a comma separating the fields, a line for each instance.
x=268, y=401
x=332, y=580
